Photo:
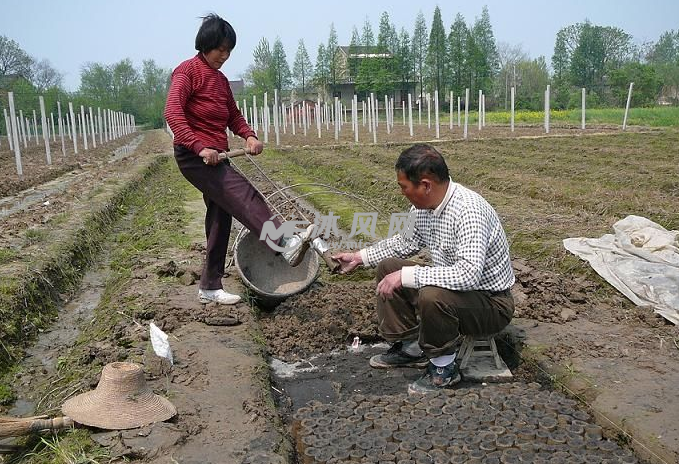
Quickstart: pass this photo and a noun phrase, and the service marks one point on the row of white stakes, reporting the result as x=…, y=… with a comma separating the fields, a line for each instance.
x=332, y=114
x=109, y=125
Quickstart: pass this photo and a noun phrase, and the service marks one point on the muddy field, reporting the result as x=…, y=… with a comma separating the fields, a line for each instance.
x=545, y=189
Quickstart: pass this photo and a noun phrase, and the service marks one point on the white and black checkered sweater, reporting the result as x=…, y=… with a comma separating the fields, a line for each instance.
x=468, y=246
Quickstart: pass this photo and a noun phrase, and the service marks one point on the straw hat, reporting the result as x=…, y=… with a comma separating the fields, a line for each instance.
x=122, y=400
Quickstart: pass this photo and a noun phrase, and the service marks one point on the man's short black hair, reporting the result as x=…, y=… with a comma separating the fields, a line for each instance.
x=422, y=159
x=213, y=33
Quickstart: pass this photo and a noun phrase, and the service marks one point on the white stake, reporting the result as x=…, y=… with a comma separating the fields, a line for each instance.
x=254, y=113
x=54, y=128
x=73, y=128
x=436, y=112
x=61, y=129
x=582, y=114
x=94, y=136
x=428, y=111
x=458, y=111
x=8, y=125
x=403, y=111
x=410, y=113
x=45, y=134
x=629, y=98
x=452, y=107
x=99, y=126
x=480, y=109
x=355, y=118
x=547, y=110
x=512, y=110
x=483, y=106
x=35, y=128
x=275, y=117
x=386, y=110
x=83, y=126
x=15, y=135
x=466, y=111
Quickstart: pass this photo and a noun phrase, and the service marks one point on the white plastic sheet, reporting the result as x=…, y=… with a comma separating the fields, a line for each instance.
x=160, y=343
x=640, y=259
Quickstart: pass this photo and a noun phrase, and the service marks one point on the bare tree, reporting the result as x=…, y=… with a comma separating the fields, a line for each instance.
x=44, y=76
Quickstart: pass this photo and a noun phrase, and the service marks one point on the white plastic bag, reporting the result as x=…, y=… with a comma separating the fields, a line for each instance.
x=160, y=344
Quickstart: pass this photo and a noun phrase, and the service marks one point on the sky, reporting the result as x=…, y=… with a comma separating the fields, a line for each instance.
x=71, y=33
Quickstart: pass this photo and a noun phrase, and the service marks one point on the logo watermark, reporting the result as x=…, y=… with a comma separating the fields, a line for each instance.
x=364, y=223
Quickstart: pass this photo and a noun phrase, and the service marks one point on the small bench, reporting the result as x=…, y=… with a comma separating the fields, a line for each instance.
x=480, y=361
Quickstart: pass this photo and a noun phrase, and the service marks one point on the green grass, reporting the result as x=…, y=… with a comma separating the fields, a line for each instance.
x=655, y=117
x=7, y=255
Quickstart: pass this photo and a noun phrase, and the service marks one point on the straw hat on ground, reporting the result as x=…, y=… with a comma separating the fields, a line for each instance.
x=122, y=400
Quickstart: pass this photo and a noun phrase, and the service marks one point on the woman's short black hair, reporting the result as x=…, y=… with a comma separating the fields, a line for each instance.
x=213, y=33
x=421, y=159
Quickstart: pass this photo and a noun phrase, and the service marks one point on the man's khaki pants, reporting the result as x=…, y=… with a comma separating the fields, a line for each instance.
x=438, y=318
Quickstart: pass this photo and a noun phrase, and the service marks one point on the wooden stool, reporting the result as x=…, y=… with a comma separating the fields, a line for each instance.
x=486, y=345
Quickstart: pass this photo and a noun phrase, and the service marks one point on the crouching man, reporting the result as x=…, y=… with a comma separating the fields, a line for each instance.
x=426, y=310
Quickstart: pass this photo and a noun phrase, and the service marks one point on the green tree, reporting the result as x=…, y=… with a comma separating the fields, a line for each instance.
x=96, y=84
x=532, y=78
x=321, y=70
x=302, y=68
x=437, y=52
x=483, y=54
x=280, y=68
x=260, y=74
x=367, y=36
x=352, y=60
x=664, y=57
x=647, y=84
x=126, y=86
x=154, y=86
x=332, y=56
x=457, y=55
x=600, y=50
x=419, y=53
x=404, y=61
x=13, y=59
x=508, y=56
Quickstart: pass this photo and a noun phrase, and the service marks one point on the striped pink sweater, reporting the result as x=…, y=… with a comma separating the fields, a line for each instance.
x=200, y=106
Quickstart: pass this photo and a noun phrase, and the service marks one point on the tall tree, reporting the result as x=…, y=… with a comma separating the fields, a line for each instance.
x=419, y=44
x=154, y=87
x=600, y=50
x=436, y=53
x=664, y=57
x=302, y=68
x=281, y=69
x=332, y=51
x=14, y=60
x=367, y=36
x=352, y=60
x=458, y=52
x=484, y=59
x=385, y=36
x=321, y=70
x=126, y=85
x=96, y=83
x=532, y=77
x=404, y=61
x=260, y=73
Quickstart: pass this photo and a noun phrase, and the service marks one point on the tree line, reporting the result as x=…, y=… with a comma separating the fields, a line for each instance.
x=602, y=59
x=118, y=86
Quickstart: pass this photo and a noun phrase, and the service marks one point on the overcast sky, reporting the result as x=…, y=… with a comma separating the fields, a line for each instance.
x=71, y=33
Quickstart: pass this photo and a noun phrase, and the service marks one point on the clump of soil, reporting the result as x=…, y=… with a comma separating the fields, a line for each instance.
x=546, y=296
x=324, y=318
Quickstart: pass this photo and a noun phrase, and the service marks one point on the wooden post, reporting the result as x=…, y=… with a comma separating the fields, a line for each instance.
x=45, y=134
x=73, y=129
x=15, y=135
x=582, y=115
x=512, y=110
x=629, y=99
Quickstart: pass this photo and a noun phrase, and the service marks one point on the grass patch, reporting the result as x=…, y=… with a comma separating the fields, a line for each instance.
x=667, y=116
x=7, y=255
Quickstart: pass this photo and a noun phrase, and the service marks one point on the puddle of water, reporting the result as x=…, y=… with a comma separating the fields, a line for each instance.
x=43, y=356
x=122, y=152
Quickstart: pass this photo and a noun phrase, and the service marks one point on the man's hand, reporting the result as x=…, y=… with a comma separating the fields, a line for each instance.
x=348, y=261
x=391, y=282
x=254, y=146
x=210, y=156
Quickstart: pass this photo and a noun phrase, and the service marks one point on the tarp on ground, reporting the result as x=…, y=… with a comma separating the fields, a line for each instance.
x=640, y=259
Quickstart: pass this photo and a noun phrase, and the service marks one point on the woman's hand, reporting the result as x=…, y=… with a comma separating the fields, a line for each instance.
x=210, y=156
x=348, y=261
x=254, y=146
